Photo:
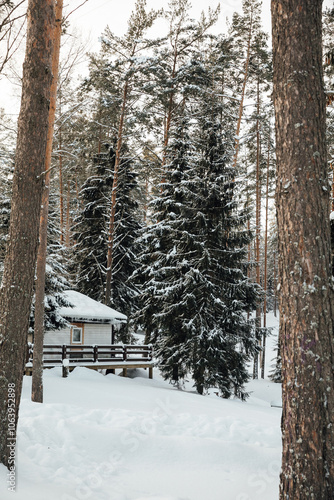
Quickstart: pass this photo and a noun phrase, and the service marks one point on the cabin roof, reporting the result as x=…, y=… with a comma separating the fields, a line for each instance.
x=89, y=310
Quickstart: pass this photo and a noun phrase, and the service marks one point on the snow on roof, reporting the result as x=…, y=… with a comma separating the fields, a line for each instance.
x=85, y=308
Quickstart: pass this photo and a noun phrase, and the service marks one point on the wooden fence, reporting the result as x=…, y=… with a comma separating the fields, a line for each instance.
x=94, y=356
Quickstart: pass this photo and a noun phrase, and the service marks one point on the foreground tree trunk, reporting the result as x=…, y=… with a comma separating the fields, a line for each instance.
x=19, y=268
x=306, y=297
x=37, y=372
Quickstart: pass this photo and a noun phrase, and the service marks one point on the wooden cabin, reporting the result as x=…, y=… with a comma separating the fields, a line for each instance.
x=90, y=322
x=89, y=340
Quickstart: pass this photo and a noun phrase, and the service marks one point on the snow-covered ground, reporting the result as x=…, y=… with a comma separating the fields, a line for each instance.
x=113, y=438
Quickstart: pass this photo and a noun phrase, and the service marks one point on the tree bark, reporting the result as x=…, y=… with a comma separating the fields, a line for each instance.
x=306, y=295
x=19, y=268
x=258, y=232
x=37, y=372
x=265, y=277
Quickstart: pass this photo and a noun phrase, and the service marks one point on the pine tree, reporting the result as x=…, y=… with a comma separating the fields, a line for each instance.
x=250, y=46
x=244, y=34
x=183, y=38
x=130, y=48
x=37, y=372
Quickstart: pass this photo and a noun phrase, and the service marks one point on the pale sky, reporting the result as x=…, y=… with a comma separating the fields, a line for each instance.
x=96, y=14
x=92, y=17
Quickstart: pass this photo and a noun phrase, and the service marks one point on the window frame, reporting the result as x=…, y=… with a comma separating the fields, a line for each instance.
x=80, y=328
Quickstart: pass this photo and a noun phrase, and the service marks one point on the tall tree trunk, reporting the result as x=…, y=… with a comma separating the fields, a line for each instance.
x=306, y=294
x=265, y=277
x=169, y=111
x=243, y=93
x=61, y=184
x=19, y=269
x=37, y=372
x=111, y=231
x=258, y=231
x=68, y=215
x=249, y=252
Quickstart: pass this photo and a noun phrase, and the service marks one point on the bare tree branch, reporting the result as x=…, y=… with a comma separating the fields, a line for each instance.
x=68, y=15
x=8, y=20
x=10, y=31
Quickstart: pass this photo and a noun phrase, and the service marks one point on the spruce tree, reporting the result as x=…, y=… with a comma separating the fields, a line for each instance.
x=195, y=292
x=89, y=262
x=56, y=275
x=162, y=274
x=89, y=252
x=5, y=196
x=7, y=154
x=126, y=246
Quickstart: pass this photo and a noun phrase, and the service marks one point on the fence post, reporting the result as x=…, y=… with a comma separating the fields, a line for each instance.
x=96, y=353
x=125, y=353
x=65, y=362
x=66, y=368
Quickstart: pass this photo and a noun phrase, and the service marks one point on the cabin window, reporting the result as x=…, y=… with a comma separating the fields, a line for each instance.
x=76, y=334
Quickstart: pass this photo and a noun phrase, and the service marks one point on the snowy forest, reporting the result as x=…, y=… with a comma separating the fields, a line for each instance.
x=160, y=192
x=162, y=188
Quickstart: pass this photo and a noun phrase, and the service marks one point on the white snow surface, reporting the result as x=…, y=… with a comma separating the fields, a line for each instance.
x=112, y=438
x=86, y=308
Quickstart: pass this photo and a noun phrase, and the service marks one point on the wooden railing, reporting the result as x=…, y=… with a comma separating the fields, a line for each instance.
x=108, y=356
